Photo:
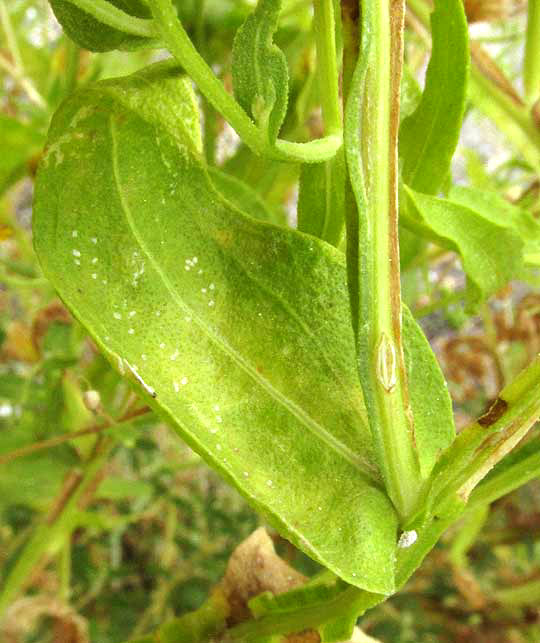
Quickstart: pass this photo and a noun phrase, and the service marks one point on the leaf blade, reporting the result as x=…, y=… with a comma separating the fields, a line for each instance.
x=259, y=69
x=223, y=376
x=428, y=137
x=479, y=242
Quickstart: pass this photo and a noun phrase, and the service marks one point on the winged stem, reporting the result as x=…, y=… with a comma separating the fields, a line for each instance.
x=371, y=122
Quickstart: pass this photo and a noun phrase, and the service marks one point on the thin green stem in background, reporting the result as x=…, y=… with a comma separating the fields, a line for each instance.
x=515, y=476
x=327, y=66
x=531, y=62
x=11, y=39
x=16, y=68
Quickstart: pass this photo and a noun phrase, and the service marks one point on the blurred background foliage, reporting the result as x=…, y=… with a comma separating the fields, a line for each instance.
x=108, y=523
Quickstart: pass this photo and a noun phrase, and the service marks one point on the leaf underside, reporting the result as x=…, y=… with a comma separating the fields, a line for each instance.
x=237, y=331
x=241, y=329
x=259, y=69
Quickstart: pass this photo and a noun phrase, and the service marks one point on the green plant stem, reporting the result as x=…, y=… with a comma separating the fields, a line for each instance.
x=482, y=445
x=181, y=47
x=515, y=476
x=111, y=16
x=327, y=67
x=60, y=439
x=50, y=535
x=371, y=123
x=11, y=38
x=531, y=63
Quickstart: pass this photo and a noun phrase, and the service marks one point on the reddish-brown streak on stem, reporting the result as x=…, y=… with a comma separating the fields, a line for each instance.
x=397, y=18
x=495, y=412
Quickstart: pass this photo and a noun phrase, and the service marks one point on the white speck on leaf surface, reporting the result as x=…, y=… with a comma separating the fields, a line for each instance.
x=76, y=253
x=117, y=315
x=407, y=539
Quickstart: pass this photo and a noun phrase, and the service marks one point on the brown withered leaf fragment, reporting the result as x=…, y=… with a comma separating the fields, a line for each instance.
x=21, y=618
x=253, y=568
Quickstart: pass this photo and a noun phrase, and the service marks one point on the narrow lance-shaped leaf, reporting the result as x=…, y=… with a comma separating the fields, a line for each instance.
x=428, y=137
x=206, y=309
x=491, y=255
x=259, y=69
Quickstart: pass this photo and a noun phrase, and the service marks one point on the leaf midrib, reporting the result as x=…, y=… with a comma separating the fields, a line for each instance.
x=304, y=418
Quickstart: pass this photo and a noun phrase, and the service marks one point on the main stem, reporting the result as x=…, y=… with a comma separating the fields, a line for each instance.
x=371, y=127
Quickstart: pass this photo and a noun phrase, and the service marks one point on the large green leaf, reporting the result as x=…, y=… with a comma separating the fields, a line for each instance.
x=259, y=69
x=491, y=254
x=237, y=331
x=428, y=137
x=92, y=34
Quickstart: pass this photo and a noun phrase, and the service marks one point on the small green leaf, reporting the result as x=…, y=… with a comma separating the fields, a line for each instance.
x=428, y=137
x=493, y=207
x=91, y=34
x=259, y=69
x=321, y=199
x=491, y=255
x=430, y=401
x=206, y=310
